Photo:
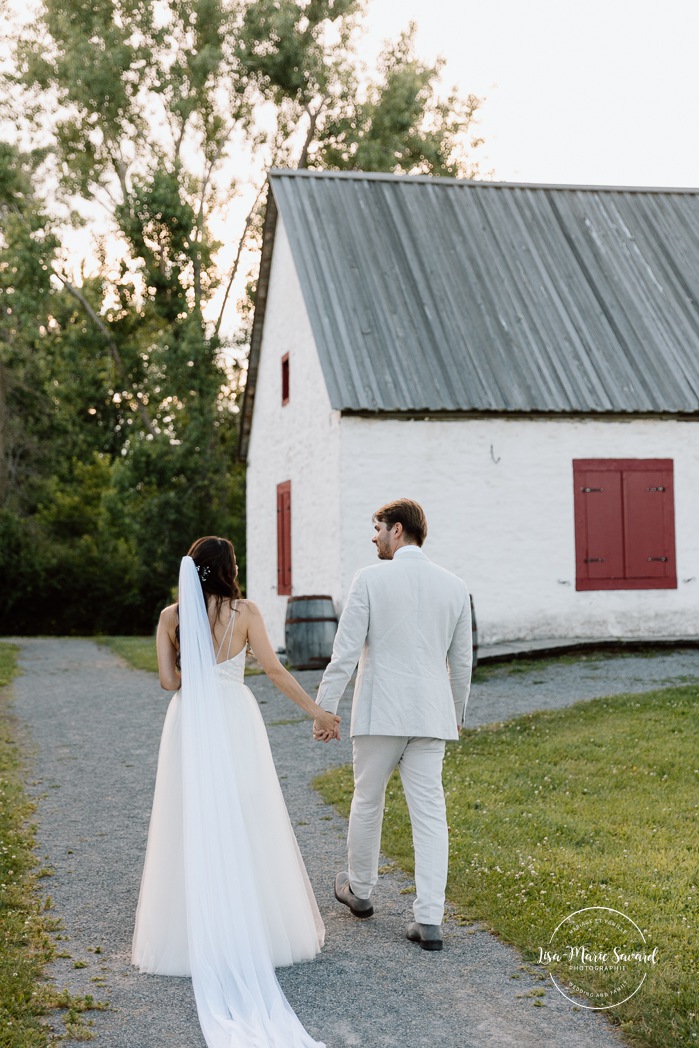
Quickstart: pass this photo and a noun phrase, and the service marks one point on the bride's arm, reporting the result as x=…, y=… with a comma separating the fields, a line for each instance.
x=265, y=655
x=165, y=642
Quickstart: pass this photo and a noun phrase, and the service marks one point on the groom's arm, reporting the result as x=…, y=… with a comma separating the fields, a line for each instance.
x=349, y=641
x=460, y=661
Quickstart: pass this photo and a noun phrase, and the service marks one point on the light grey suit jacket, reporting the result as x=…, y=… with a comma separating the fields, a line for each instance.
x=408, y=623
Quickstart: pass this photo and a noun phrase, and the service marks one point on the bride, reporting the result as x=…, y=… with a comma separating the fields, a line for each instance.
x=225, y=896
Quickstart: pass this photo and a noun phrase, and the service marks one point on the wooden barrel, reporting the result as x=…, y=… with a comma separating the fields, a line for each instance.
x=474, y=633
x=311, y=625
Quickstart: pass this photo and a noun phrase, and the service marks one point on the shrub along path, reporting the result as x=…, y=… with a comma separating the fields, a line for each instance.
x=96, y=725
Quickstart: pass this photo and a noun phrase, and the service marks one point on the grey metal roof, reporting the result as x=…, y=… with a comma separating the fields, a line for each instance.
x=431, y=295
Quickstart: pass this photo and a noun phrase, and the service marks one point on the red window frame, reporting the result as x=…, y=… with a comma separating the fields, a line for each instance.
x=624, y=524
x=284, y=539
x=285, y=379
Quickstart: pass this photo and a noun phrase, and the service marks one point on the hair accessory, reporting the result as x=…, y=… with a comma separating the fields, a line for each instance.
x=204, y=571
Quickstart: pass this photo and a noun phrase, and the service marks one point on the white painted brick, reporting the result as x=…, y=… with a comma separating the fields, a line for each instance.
x=498, y=496
x=297, y=442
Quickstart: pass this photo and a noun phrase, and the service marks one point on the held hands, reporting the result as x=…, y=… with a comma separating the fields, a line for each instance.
x=326, y=726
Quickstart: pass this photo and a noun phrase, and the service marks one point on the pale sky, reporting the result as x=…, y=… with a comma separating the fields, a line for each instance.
x=586, y=92
x=576, y=91
x=602, y=92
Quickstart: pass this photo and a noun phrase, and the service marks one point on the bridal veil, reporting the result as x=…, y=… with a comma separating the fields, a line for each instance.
x=239, y=1000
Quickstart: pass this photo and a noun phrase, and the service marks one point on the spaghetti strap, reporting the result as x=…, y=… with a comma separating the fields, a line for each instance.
x=225, y=634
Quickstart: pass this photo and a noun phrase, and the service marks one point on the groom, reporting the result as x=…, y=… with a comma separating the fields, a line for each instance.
x=408, y=623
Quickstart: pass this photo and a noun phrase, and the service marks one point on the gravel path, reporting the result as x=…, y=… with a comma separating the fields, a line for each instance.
x=95, y=724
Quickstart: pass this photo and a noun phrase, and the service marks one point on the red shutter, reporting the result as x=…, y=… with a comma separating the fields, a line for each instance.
x=649, y=525
x=624, y=524
x=284, y=538
x=598, y=532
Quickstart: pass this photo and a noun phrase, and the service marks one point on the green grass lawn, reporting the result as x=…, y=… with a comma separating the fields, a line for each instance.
x=138, y=651
x=25, y=947
x=595, y=804
x=8, y=662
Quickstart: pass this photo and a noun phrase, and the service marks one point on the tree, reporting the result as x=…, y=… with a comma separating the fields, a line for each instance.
x=27, y=246
x=54, y=536
x=160, y=115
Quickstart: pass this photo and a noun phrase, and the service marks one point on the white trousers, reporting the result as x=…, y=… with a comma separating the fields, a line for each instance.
x=419, y=762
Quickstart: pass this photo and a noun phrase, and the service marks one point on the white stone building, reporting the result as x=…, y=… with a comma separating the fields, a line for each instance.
x=522, y=360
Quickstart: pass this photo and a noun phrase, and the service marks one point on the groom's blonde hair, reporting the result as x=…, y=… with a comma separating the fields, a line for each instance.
x=408, y=513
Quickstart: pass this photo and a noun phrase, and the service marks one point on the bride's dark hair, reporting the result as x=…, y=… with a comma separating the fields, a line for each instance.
x=215, y=561
x=217, y=570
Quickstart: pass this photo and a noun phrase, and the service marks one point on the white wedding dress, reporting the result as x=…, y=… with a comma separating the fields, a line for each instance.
x=225, y=896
